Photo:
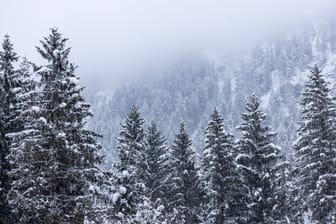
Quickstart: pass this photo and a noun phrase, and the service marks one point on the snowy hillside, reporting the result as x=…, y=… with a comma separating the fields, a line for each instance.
x=274, y=70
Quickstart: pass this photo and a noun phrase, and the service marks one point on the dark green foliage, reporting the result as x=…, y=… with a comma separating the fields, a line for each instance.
x=257, y=161
x=225, y=195
x=8, y=84
x=157, y=158
x=54, y=157
x=185, y=194
x=130, y=166
x=315, y=163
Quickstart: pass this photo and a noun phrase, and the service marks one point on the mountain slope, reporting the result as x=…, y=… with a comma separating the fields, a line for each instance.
x=188, y=90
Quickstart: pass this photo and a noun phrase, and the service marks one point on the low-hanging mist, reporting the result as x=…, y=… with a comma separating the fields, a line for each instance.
x=118, y=41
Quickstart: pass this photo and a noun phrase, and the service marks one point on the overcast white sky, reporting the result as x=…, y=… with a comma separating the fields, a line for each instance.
x=121, y=39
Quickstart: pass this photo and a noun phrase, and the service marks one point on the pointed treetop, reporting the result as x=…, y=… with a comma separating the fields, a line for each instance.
x=152, y=125
x=134, y=115
x=316, y=75
x=252, y=113
x=54, y=46
x=253, y=103
x=154, y=134
x=216, y=115
x=153, y=128
x=134, y=111
x=215, y=125
x=315, y=70
x=182, y=139
x=7, y=44
x=215, y=112
x=182, y=129
x=8, y=56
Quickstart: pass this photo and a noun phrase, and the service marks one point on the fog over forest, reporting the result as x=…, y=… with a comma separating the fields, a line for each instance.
x=119, y=41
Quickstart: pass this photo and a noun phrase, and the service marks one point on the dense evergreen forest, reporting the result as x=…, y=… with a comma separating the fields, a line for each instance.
x=51, y=163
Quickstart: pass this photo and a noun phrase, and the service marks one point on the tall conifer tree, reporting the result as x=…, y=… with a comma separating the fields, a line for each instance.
x=185, y=194
x=315, y=149
x=156, y=157
x=9, y=84
x=54, y=157
x=258, y=161
x=224, y=190
x=130, y=169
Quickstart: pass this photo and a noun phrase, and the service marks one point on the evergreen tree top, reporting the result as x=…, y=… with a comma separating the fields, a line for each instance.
x=252, y=108
x=216, y=122
x=182, y=146
x=215, y=116
x=54, y=47
x=8, y=49
x=7, y=59
x=7, y=55
x=252, y=119
x=134, y=114
x=316, y=75
x=316, y=89
x=182, y=137
x=132, y=126
x=154, y=135
x=318, y=108
x=152, y=127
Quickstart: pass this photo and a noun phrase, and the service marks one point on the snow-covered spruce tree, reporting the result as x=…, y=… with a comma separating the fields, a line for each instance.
x=224, y=202
x=10, y=81
x=257, y=161
x=156, y=157
x=185, y=196
x=8, y=87
x=130, y=168
x=54, y=158
x=315, y=148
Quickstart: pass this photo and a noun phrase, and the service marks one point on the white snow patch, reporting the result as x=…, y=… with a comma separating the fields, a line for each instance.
x=124, y=173
x=265, y=100
x=122, y=190
x=55, y=53
x=233, y=85
x=275, y=80
x=115, y=197
x=43, y=120
x=220, y=85
x=285, y=111
x=91, y=188
x=35, y=108
x=61, y=134
x=78, y=105
x=74, y=80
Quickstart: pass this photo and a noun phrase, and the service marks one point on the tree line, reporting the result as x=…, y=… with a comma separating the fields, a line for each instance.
x=50, y=161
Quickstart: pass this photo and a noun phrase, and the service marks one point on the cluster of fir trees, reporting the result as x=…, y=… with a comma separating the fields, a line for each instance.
x=234, y=181
x=246, y=180
x=49, y=160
